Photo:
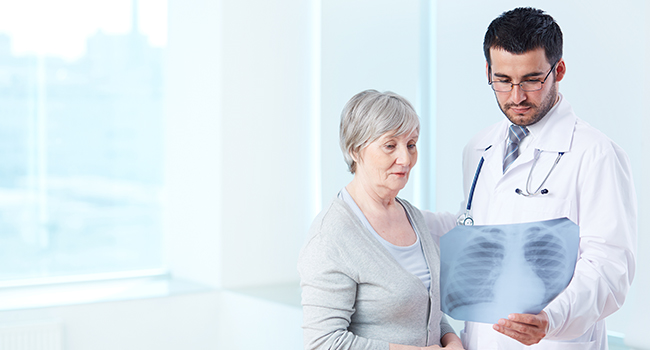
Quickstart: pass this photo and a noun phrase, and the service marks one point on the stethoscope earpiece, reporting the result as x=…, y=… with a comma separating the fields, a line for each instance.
x=530, y=173
x=518, y=191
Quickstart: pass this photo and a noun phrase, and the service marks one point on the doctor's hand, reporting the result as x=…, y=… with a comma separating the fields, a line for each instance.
x=527, y=329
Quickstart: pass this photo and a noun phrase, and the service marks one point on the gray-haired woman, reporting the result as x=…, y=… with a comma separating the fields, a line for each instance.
x=370, y=268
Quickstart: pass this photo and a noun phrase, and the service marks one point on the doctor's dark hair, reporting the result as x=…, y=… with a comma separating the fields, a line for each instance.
x=524, y=29
x=370, y=114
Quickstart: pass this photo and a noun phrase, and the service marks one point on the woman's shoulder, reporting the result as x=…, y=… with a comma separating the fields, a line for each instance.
x=330, y=238
x=333, y=224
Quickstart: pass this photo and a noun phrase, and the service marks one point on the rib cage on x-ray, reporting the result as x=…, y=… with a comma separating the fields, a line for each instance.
x=546, y=256
x=479, y=267
x=490, y=271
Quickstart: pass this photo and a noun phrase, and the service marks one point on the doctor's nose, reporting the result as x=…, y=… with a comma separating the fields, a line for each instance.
x=517, y=95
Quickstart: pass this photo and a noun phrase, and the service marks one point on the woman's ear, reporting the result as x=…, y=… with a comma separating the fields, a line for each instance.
x=355, y=156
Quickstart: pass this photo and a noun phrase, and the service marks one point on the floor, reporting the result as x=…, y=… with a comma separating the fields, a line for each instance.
x=276, y=315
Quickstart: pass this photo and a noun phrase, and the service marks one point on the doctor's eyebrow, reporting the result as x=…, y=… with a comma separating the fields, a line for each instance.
x=529, y=75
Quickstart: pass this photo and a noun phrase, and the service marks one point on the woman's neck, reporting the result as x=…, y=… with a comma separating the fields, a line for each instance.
x=383, y=212
x=370, y=197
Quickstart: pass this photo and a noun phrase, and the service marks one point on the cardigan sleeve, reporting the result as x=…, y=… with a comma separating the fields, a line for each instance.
x=445, y=327
x=328, y=296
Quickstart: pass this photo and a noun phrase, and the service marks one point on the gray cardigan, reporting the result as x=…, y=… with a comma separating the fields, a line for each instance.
x=355, y=295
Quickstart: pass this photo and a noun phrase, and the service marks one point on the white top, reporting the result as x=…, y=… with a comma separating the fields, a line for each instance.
x=410, y=257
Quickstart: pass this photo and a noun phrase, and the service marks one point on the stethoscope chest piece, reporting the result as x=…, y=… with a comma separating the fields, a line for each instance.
x=465, y=220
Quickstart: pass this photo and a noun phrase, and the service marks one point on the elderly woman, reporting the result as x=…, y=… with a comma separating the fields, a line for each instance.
x=370, y=268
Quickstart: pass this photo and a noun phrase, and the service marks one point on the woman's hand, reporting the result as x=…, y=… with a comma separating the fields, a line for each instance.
x=454, y=346
x=410, y=347
x=451, y=342
x=450, y=346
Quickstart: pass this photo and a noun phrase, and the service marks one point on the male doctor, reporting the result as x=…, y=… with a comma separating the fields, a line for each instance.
x=542, y=162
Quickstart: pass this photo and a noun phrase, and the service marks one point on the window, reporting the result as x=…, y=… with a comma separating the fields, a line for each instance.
x=80, y=137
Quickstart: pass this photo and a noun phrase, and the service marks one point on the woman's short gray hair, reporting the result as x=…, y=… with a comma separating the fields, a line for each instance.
x=370, y=114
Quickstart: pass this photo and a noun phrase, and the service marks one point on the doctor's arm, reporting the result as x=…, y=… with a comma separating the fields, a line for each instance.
x=438, y=223
x=605, y=268
x=607, y=216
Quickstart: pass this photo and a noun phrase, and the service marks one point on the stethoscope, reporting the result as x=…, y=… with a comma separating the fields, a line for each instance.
x=466, y=218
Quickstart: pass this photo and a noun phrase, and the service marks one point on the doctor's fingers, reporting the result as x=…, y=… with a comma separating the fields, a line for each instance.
x=524, y=338
x=540, y=320
x=523, y=332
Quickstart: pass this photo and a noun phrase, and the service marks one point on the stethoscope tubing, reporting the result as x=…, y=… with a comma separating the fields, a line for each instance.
x=466, y=219
x=471, y=190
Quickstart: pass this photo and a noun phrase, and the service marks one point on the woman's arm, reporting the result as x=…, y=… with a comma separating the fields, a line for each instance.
x=328, y=297
x=451, y=341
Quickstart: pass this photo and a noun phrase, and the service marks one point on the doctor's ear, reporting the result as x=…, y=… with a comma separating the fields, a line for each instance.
x=487, y=71
x=560, y=70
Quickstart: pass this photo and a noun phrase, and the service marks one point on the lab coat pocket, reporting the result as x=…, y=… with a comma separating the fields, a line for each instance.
x=538, y=208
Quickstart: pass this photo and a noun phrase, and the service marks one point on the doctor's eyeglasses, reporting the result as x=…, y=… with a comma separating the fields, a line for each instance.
x=526, y=85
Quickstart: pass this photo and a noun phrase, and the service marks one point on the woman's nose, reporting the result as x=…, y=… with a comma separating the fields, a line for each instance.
x=403, y=156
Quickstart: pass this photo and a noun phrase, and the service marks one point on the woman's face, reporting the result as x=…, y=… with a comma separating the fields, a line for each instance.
x=386, y=162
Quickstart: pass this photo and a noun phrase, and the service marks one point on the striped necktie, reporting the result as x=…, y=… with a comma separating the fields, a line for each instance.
x=516, y=133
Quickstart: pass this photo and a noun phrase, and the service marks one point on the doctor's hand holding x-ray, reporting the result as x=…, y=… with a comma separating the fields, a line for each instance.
x=542, y=162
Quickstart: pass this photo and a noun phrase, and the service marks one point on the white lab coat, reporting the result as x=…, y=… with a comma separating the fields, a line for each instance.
x=592, y=186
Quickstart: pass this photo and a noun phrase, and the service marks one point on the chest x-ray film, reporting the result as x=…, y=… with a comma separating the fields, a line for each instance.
x=489, y=272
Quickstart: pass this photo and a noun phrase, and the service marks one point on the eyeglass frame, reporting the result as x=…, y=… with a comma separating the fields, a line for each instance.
x=512, y=85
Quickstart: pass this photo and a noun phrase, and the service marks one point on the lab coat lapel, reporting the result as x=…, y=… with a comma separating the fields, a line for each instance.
x=525, y=157
x=493, y=147
x=494, y=162
x=557, y=134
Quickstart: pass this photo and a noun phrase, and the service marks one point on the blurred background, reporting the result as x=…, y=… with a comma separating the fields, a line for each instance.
x=161, y=160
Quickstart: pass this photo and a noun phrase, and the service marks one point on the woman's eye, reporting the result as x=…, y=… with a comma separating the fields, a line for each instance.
x=390, y=146
x=411, y=146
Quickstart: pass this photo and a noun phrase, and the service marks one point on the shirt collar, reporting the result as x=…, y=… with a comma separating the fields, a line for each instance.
x=555, y=136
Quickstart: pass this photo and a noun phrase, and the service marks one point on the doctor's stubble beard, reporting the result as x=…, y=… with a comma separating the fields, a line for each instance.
x=542, y=109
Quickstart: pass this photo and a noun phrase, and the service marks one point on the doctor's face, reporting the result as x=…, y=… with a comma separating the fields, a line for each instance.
x=385, y=164
x=525, y=107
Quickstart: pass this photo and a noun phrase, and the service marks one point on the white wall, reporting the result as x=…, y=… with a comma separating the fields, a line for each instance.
x=607, y=48
x=367, y=45
x=239, y=90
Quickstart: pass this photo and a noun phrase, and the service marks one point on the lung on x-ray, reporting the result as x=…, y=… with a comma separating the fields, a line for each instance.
x=488, y=272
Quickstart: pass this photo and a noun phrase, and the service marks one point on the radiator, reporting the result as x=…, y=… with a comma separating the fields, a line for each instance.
x=42, y=335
